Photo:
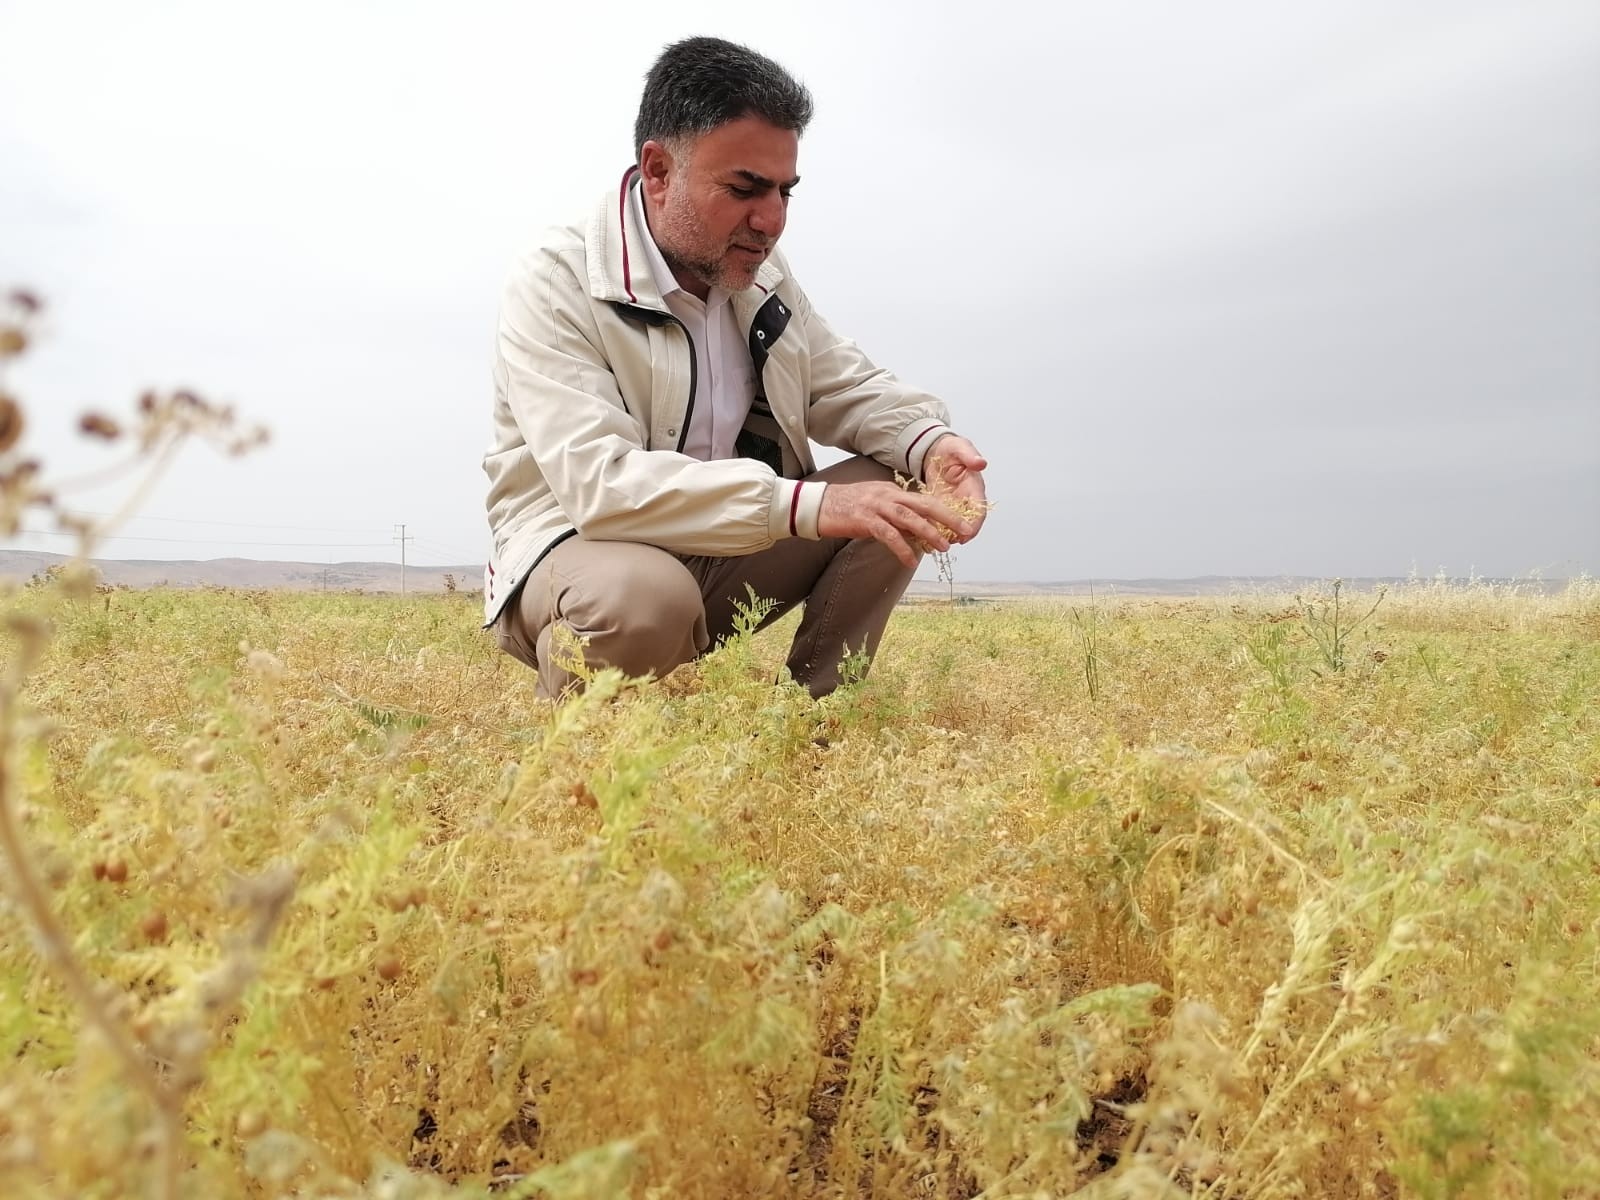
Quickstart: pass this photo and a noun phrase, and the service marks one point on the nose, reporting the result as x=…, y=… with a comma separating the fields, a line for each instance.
x=768, y=215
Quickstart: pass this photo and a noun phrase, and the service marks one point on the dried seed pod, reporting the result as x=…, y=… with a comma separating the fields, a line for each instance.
x=389, y=967
x=154, y=926
x=11, y=423
x=400, y=899
x=116, y=870
x=99, y=425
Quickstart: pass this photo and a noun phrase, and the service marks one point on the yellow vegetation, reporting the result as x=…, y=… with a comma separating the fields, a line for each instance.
x=1145, y=900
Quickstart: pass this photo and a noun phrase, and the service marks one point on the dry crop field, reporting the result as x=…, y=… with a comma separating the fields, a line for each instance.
x=1130, y=899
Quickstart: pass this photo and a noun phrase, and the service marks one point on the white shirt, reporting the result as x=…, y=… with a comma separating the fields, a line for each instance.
x=724, y=375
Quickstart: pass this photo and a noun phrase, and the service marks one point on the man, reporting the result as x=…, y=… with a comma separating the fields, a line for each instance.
x=659, y=377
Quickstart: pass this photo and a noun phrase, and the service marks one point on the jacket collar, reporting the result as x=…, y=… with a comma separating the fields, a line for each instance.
x=616, y=257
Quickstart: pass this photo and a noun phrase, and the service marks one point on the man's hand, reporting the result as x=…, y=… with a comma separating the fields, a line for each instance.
x=894, y=516
x=954, y=469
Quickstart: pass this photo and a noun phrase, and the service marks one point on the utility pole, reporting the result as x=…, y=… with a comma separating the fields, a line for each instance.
x=402, y=539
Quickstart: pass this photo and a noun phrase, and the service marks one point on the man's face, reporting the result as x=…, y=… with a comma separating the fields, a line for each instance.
x=719, y=206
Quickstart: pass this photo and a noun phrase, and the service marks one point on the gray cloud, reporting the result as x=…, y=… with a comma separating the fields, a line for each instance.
x=1237, y=288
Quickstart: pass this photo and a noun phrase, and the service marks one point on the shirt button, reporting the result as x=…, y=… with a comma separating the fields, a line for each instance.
x=672, y=433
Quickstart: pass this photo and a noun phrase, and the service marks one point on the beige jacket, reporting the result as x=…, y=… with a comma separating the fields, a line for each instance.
x=594, y=381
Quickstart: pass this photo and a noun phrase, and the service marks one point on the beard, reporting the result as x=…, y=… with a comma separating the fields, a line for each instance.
x=690, y=248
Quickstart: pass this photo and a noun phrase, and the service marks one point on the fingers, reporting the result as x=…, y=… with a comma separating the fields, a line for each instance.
x=910, y=524
x=930, y=511
x=897, y=545
x=953, y=456
x=967, y=455
x=901, y=520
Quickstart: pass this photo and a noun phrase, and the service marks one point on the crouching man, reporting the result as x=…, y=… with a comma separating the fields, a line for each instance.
x=659, y=379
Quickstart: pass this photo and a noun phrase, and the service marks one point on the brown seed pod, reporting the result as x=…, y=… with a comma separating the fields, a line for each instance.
x=98, y=869
x=99, y=425
x=389, y=967
x=250, y=1122
x=154, y=926
x=116, y=870
x=10, y=422
x=12, y=341
x=400, y=899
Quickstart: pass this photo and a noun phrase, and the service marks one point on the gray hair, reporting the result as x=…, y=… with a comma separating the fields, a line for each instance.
x=703, y=82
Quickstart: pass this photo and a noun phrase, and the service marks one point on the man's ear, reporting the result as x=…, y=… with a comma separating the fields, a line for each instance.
x=657, y=165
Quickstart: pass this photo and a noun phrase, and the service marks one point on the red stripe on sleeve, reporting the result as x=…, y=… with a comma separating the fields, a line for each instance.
x=794, y=509
x=914, y=442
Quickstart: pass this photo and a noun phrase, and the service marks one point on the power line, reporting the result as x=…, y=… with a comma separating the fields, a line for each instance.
x=440, y=548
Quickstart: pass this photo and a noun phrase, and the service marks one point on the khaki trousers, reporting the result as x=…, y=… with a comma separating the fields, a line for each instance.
x=648, y=611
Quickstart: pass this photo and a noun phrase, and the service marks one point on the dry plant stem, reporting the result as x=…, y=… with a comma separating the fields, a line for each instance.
x=101, y=476
x=53, y=939
x=1244, y=822
x=136, y=498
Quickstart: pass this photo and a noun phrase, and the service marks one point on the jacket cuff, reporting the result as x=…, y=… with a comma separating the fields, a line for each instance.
x=915, y=441
x=796, y=507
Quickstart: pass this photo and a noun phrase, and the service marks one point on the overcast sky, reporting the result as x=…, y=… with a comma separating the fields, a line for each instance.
x=1237, y=288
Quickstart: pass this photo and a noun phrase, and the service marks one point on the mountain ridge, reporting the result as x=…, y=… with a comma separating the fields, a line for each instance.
x=18, y=566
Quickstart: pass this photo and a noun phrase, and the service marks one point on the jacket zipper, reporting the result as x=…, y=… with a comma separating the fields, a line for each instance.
x=694, y=382
x=656, y=317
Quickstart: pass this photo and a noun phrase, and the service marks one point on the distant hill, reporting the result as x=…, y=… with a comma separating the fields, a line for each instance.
x=21, y=565
x=252, y=573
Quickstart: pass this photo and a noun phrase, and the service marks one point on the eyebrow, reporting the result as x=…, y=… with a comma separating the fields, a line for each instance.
x=761, y=181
